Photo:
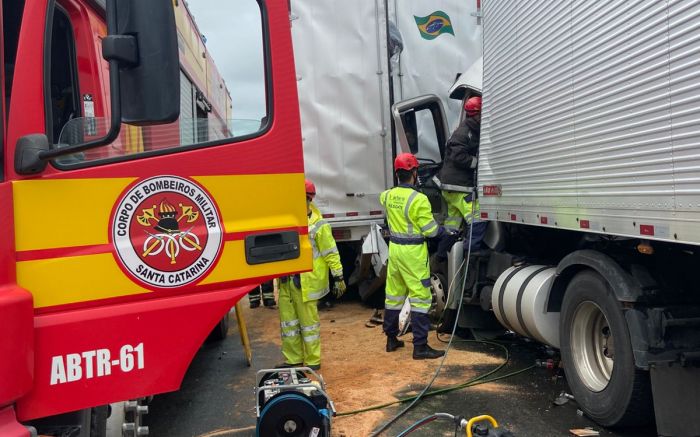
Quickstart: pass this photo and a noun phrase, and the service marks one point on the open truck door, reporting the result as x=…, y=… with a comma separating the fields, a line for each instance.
x=422, y=129
x=130, y=231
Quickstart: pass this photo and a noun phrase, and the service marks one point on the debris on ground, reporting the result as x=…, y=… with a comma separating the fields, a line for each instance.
x=563, y=398
x=584, y=432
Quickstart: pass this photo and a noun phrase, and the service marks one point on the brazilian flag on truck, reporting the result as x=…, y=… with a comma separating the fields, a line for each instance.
x=434, y=25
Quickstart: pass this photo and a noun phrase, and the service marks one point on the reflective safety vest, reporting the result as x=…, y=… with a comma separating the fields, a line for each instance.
x=409, y=215
x=314, y=284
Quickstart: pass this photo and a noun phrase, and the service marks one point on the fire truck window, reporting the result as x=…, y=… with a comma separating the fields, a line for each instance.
x=63, y=74
x=223, y=89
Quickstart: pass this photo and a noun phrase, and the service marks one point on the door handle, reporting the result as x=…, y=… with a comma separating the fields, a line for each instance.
x=271, y=247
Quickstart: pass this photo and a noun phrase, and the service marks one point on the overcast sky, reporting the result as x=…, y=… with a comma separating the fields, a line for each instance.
x=234, y=39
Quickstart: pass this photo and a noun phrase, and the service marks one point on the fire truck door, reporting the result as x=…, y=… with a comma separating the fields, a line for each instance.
x=133, y=251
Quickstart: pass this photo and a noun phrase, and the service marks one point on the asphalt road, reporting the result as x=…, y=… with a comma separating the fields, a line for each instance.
x=216, y=398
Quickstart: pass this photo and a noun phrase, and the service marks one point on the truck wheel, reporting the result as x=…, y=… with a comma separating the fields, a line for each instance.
x=220, y=331
x=597, y=355
x=438, y=289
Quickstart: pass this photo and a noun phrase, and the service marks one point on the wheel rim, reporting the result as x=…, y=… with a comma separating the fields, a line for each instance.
x=592, y=346
x=439, y=297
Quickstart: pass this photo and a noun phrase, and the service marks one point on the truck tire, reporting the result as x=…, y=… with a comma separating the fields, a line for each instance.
x=220, y=331
x=597, y=354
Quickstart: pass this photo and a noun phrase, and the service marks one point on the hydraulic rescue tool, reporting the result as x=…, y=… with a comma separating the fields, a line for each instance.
x=292, y=402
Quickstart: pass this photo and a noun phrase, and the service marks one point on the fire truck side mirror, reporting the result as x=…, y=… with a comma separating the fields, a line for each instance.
x=28, y=154
x=142, y=41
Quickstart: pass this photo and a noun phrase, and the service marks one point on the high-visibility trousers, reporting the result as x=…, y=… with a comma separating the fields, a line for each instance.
x=408, y=275
x=458, y=209
x=301, y=326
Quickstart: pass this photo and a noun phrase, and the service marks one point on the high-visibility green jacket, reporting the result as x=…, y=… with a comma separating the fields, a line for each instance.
x=314, y=284
x=409, y=215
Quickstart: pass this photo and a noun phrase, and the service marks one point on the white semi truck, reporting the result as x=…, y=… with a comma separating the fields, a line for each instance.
x=589, y=177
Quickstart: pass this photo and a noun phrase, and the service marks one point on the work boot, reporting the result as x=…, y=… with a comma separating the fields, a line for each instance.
x=254, y=303
x=314, y=366
x=425, y=352
x=268, y=302
x=287, y=365
x=393, y=343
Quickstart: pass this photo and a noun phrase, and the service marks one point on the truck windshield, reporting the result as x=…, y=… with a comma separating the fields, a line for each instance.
x=427, y=148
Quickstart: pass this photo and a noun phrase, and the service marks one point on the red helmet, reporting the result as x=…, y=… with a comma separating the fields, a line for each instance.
x=473, y=106
x=405, y=161
x=310, y=188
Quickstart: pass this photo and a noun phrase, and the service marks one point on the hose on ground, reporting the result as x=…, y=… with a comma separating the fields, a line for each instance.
x=481, y=379
x=426, y=420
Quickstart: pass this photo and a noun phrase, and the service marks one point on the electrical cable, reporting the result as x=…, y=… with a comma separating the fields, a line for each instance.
x=449, y=345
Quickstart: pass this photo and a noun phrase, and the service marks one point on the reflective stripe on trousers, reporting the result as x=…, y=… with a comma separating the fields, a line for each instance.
x=394, y=302
x=420, y=305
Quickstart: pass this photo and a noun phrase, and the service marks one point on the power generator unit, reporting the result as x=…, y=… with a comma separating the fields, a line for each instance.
x=292, y=402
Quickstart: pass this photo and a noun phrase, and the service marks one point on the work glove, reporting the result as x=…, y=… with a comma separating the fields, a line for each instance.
x=339, y=287
x=441, y=233
x=297, y=281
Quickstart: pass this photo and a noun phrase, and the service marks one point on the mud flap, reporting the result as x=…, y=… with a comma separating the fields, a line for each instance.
x=672, y=417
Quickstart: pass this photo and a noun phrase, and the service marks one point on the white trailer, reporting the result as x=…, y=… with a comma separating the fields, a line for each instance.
x=347, y=84
x=589, y=176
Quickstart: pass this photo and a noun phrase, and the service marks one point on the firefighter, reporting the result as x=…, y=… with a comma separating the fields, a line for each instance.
x=268, y=295
x=457, y=178
x=410, y=223
x=298, y=294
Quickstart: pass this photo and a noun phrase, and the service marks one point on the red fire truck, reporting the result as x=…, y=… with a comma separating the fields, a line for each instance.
x=130, y=233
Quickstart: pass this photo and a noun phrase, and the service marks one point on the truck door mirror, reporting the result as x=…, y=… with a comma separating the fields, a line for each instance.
x=144, y=77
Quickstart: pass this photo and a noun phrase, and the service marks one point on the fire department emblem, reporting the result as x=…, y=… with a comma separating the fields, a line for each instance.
x=167, y=232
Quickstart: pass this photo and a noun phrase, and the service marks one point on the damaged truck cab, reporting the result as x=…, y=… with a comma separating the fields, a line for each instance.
x=589, y=189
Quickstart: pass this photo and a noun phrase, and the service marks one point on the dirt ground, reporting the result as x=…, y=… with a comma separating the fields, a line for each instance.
x=217, y=399
x=361, y=374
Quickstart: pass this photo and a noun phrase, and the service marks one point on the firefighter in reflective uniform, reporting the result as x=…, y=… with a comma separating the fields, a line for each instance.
x=298, y=294
x=457, y=178
x=410, y=223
